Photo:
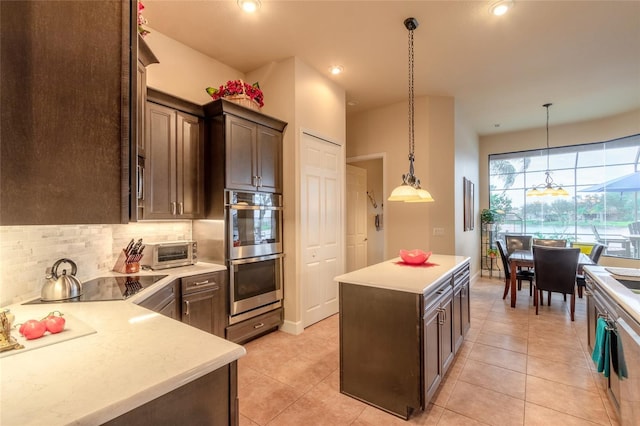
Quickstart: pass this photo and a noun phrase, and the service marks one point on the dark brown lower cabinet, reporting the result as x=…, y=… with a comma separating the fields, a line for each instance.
x=209, y=400
x=204, y=300
x=166, y=301
x=396, y=346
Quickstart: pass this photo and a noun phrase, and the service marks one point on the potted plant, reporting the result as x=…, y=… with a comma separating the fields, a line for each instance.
x=489, y=216
x=492, y=252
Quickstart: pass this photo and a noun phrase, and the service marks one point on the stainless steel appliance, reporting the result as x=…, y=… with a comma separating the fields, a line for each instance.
x=254, y=224
x=109, y=288
x=629, y=335
x=255, y=286
x=170, y=254
x=63, y=286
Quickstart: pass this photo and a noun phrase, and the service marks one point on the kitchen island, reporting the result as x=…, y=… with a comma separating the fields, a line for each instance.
x=400, y=328
x=614, y=294
x=135, y=362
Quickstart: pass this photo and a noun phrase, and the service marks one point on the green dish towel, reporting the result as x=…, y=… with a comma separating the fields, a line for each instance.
x=600, y=347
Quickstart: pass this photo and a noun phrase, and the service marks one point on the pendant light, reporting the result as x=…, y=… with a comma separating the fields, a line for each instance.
x=548, y=187
x=410, y=190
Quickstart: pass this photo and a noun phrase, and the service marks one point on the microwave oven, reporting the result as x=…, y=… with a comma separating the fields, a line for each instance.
x=170, y=254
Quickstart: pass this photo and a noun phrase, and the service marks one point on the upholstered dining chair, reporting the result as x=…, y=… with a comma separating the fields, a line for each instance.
x=517, y=242
x=594, y=255
x=547, y=242
x=556, y=269
x=520, y=275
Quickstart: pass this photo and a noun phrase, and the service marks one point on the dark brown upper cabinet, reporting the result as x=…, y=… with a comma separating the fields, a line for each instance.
x=138, y=154
x=65, y=111
x=243, y=152
x=173, y=173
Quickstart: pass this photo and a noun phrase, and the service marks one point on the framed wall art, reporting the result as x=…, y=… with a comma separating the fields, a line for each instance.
x=468, y=204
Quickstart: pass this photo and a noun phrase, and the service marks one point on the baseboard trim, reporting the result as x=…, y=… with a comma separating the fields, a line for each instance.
x=291, y=327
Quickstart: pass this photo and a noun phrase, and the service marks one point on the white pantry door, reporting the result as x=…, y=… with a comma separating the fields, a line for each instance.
x=356, y=218
x=320, y=225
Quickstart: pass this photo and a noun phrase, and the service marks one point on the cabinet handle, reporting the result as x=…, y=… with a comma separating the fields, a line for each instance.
x=140, y=182
x=201, y=282
x=173, y=208
x=258, y=325
x=260, y=181
x=180, y=207
x=186, y=303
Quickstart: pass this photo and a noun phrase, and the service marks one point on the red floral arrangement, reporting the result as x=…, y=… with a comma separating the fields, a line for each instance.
x=142, y=21
x=238, y=88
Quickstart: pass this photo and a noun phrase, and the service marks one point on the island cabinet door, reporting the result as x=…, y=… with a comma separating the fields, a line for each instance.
x=447, y=342
x=380, y=344
x=432, y=359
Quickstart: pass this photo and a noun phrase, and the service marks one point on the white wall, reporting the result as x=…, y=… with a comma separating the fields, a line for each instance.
x=600, y=130
x=384, y=130
x=466, y=159
x=184, y=72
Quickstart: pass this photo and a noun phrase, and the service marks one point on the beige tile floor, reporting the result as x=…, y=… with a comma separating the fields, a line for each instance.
x=514, y=368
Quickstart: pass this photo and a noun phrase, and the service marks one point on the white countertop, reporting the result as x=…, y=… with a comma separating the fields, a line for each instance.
x=396, y=275
x=628, y=300
x=134, y=356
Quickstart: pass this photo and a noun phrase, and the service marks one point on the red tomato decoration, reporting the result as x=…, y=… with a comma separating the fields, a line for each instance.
x=54, y=324
x=33, y=329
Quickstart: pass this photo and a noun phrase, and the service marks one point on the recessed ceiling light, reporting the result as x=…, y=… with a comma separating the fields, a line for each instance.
x=249, y=6
x=500, y=7
x=336, y=69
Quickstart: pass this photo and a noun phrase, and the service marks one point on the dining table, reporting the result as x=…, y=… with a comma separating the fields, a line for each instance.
x=524, y=259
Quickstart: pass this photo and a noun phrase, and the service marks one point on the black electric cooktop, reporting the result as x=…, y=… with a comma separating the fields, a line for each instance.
x=109, y=288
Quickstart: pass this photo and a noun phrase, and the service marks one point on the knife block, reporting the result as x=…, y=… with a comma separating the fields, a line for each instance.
x=125, y=267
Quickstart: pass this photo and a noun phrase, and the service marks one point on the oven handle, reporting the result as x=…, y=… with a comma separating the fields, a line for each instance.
x=256, y=259
x=247, y=207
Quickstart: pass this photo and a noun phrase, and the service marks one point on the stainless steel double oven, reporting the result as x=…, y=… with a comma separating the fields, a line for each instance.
x=254, y=253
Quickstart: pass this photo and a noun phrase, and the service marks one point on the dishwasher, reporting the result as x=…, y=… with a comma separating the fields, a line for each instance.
x=629, y=387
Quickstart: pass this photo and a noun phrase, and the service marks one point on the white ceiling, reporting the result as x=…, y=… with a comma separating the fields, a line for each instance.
x=583, y=56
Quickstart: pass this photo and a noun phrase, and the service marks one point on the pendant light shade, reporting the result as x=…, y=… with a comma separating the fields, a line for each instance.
x=548, y=188
x=410, y=191
x=404, y=192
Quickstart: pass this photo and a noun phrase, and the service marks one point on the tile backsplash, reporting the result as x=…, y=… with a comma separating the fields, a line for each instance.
x=27, y=251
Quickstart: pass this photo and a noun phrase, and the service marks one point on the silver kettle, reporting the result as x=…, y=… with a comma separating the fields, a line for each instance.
x=61, y=287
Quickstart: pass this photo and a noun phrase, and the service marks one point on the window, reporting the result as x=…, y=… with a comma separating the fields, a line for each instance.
x=591, y=207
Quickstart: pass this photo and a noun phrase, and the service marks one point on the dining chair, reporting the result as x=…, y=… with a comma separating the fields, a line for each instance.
x=548, y=242
x=517, y=242
x=556, y=269
x=594, y=255
x=520, y=275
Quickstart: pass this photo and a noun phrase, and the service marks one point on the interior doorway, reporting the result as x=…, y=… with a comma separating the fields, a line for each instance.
x=356, y=225
x=375, y=201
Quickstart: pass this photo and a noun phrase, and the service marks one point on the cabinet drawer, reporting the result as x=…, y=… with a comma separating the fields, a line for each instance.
x=161, y=298
x=246, y=330
x=461, y=275
x=202, y=282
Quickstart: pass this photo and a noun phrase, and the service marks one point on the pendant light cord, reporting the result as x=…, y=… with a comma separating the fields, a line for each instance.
x=547, y=107
x=411, y=104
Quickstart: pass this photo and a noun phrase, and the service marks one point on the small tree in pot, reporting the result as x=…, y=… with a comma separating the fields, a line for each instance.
x=489, y=216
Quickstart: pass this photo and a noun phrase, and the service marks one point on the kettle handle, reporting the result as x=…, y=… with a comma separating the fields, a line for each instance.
x=54, y=268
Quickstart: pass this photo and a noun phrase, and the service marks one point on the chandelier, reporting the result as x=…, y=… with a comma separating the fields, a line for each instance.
x=410, y=191
x=548, y=187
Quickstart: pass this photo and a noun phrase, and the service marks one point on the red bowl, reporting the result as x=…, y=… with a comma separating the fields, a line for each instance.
x=414, y=257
